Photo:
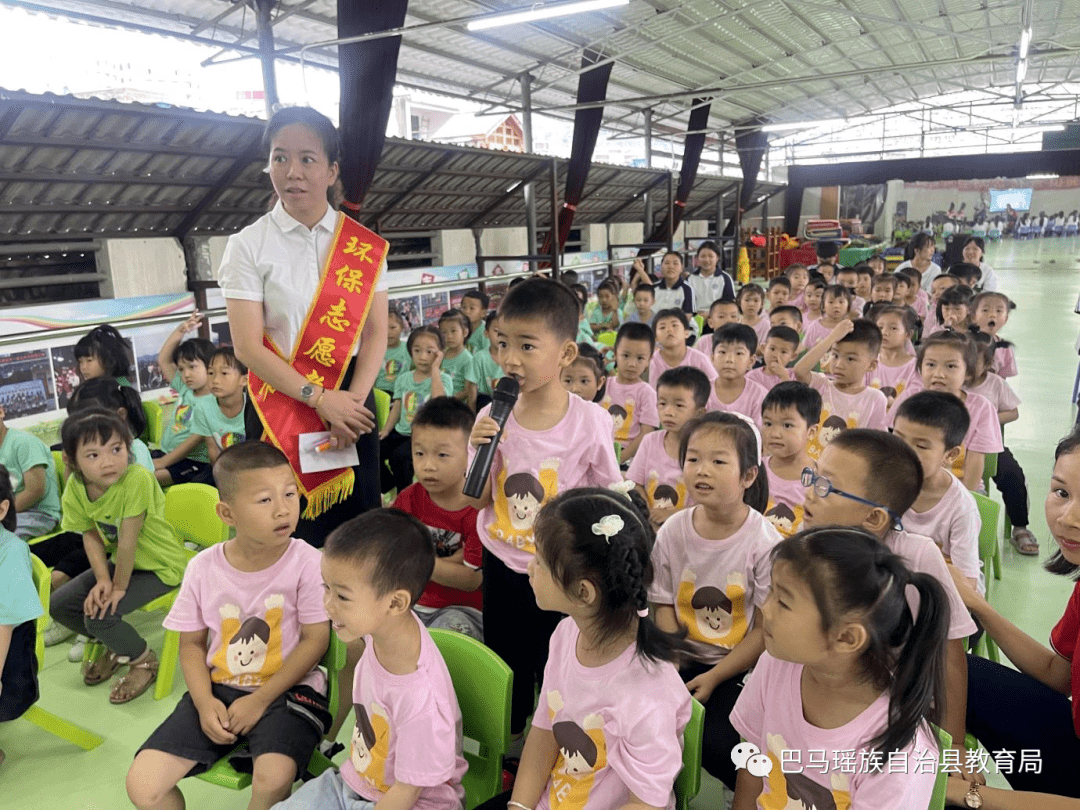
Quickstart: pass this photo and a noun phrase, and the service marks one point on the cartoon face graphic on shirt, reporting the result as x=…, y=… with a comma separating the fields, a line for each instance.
x=363, y=740
x=784, y=518
x=832, y=427
x=392, y=368
x=576, y=746
x=524, y=497
x=249, y=651
x=582, y=756
x=618, y=416
x=797, y=791
x=665, y=497
x=713, y=614
x=712, y=608
x=370, y=745
x=248, y=646
x=411, y=402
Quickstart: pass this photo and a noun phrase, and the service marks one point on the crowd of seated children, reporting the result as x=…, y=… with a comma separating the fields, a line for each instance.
x=186, y=365
x=670, y=290
x=656, y=471
x=789, y=423
x=627, y=397
x=734, y=347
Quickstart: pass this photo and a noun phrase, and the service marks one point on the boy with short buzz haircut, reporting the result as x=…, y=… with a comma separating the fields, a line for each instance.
x=789, y=316
x=721, y=311
x=870, y=478
x=672, y=328
x=781, y=347
x=847, y=402
x=219, y=419
x=778, y=292
x=644, y=301
x=186, y=365
x=789, y=421
x=440, y=451
x=552, y=442
x=681, y=395
x=734, y=346
x=934, y=424
x=630, y=400
x=406, y=744
x=474, y=306
x=252, y=631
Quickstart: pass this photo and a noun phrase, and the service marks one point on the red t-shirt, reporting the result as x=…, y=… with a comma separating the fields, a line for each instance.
x=450, y=530
x=1063, y=639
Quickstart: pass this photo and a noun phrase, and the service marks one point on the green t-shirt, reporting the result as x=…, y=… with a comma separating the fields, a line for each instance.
x=208, y=420
x=485, y=369
x=413, y=394
x=598, y=317
x=136, y=493
x=478, y=340
x=460, y=369
x=584, y=332
x=22, y=451
x=141, y=454
x=395, y=361
x=179, y=430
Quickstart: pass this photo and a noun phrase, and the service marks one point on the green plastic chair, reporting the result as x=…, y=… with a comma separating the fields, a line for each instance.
x=191, y=509
x=482, y=683
x=382, y=408
x=937, y=798
x=989, y=512
x=688, y=782
x=223, y=774
x=700, y=321
x=155, y=422
x=990, y=465
x=45, y=720
x=607, y=338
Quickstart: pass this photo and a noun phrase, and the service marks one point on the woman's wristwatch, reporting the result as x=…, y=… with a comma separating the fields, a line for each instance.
x=307, y=391
x=972, y=797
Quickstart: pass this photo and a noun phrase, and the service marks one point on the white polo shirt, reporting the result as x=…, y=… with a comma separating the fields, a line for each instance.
x=277, y=260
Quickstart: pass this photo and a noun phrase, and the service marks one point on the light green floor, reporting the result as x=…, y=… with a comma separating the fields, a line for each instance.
x=43, y=773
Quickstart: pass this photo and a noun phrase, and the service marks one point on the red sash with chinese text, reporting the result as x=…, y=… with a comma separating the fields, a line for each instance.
x=322, y=354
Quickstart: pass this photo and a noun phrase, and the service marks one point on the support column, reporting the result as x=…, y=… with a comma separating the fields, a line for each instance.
x=263, y=10
x=528, y=190
x=648, y=165
x=555, y=218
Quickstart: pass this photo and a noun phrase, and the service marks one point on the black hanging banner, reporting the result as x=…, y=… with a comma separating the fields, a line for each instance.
x=368, y=71
x=592, y=87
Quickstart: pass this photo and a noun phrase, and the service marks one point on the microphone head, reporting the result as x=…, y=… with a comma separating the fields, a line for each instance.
x=506, y=389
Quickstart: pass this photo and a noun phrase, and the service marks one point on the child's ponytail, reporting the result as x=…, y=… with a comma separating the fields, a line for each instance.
x=598, y=535
x=107, y=393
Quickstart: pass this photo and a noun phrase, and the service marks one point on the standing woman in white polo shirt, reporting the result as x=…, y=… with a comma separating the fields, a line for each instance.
x=272, y=272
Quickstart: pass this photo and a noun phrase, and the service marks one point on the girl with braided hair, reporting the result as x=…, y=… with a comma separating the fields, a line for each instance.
x=852, y=676
x=608, y=728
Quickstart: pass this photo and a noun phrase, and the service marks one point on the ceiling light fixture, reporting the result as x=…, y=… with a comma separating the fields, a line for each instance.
x=830, y=122
x=1025, y=42
x=543, y=11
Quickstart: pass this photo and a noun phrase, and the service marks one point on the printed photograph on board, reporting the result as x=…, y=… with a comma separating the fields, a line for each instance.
x=26, y=383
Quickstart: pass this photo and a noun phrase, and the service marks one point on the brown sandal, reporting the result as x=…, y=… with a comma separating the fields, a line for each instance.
x=138, y=679
x=101, y=668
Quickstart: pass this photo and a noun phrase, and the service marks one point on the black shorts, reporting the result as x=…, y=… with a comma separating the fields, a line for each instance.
x=281, y=730
x=64, y=553
x=19, y=677
x=187, y=470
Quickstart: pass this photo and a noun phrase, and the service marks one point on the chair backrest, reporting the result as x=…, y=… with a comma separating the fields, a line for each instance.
x=191, y=509
x=700, y=321
x=43, y=583
x=989, y=513
x=382, y=407
x=607, y=338
x=58, y=462
x=155, y=422
x=688, y=782
x=937, y=798
x=482, y=683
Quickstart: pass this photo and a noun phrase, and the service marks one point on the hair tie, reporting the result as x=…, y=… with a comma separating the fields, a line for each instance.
x=643, y=613
x=757, y=433
x=607, y=527
x=623, y=488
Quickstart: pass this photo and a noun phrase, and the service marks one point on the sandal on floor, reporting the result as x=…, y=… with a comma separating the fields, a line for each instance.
x=101, y=668
x=1024, y=542
x=138, y=679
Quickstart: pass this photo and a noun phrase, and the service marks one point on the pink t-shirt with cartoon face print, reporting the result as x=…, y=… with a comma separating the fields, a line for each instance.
x=658, y=474
x=786, y=499
x=532, y=466
x=618, y=727
x=842, y=411
x=253, y=617
x=630, y=406
x=893, y=381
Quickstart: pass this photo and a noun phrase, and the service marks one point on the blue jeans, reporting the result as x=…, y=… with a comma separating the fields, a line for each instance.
x=326, y=792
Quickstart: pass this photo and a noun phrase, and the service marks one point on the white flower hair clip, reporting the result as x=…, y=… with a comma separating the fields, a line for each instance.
x=622, y=487
x=608, y=527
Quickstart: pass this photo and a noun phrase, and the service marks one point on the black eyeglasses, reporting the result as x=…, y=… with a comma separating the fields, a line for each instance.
x=823, y=488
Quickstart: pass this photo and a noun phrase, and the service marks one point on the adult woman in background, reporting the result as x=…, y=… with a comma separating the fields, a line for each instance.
x=973, y=251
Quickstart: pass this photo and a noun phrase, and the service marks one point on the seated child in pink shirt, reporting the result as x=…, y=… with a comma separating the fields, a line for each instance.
x=814, y=699
x=849, y=277
x=835, y=306
x=751, y=301
x=846, y=400
x=630, y=400
x=734, y=347
x=788, y=316
x=895, y=371
x=585, y=376
x=813, y=300
x=252, y=631
x=778, y=292
x=552, y=441
x=712, y=572
x=781, y=347
x=867, y=479
x=799, y=277
x=883, y=289
x=672, y=329
x=406, y=744
x=934, y=424
x=990, y=312
x=681, y=395
x=608, y=728
x=722, y=311
x=789, y=416
x=452, y=599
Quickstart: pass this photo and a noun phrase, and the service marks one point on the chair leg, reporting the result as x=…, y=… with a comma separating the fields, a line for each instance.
x=63, y=729
x=992, y=650
x=997, y=555
x=170, y=658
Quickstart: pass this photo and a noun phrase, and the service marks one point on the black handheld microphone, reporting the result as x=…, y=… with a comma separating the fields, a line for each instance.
x=502, y=403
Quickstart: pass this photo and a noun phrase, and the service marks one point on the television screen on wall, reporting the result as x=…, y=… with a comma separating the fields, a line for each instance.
x=1018, y=198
